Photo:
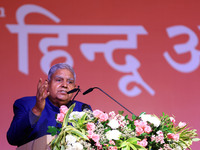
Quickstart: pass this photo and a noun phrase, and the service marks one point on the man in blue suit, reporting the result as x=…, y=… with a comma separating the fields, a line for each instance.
x=33, y=115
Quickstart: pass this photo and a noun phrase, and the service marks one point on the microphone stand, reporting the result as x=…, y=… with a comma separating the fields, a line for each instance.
x=111, y=98
x=78, y=90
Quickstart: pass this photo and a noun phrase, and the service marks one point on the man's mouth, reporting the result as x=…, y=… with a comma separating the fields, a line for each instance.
x=63, y=91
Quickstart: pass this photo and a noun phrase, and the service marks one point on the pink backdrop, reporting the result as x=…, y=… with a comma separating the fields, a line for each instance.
x=145, y=54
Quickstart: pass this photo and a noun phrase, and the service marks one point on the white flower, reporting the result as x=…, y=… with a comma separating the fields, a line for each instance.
x=178, y=148
x=78, y=146
x=113, y=135
x=70, y=139
x=152, y=119
x=113, y=123
x=182, y=124
x=76, y=115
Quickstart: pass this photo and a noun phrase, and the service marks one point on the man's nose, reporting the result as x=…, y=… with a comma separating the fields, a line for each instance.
x=65, y=84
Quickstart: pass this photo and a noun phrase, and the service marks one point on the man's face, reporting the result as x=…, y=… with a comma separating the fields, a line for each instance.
x=61, y=82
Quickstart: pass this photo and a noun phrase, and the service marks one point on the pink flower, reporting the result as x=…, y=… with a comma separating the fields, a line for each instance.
x=143, y=143
x=141, y=127
x=139, y=130
x=63, y=109
x=153, y=138
x=111, y=115
x=176, y=137
x=170, y=135
x=160, y=133
x=60, y=117
x=166, y=146
x=160, y=139
x=90, y=126
x=143, y=124
x=95, y=137
x=111, y=142
x=172, y=120
x=103, y=117
x=147, y=129
x=139, y=123
x=136, y=123
x=123, y=123
x=173, y=136
x=90, y=134
x=119, y=117
x=182, y=124
x=99, y=146
x=112, y=148
x=97, y=113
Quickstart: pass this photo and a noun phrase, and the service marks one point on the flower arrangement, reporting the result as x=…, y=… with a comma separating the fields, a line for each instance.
x=89, y=130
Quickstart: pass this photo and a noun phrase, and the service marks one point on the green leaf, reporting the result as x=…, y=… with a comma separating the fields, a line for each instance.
x=126, y=148
x=133, y=140
x=53, y=130
x=66, y=118
x=139, y=147
x=196, y=139
x=142, y=114
x=133, y=147
x=55, y=148
x=72, y=130
x=123, y=144
x=62, y=147
x=134, y=117
x=121, y=112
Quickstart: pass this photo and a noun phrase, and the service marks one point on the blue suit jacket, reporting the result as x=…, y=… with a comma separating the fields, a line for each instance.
x=21, y=131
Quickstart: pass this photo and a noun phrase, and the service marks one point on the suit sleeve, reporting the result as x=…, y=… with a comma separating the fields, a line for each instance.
x=20, y=127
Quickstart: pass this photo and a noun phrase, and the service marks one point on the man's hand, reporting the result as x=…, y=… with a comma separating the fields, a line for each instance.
x=40, y=97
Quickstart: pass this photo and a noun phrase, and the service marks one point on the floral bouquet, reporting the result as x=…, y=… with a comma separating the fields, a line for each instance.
x=89, y=130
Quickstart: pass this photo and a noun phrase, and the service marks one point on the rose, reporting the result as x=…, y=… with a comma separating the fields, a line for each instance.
x=103, y=117
x=60, y=117
x=97, y=113
x=139, y=123
x=63, y=109
x=95, y=137
x=90, y=126
x=143, y=143
x=147, y=129
x=90, y=134
x=139, y=130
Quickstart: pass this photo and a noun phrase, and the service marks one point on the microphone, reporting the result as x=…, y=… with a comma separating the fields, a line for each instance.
x=88, y=91
x=73, y=90
x=91, y=89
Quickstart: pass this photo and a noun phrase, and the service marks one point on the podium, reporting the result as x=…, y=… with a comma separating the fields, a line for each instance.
x=37, y=144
